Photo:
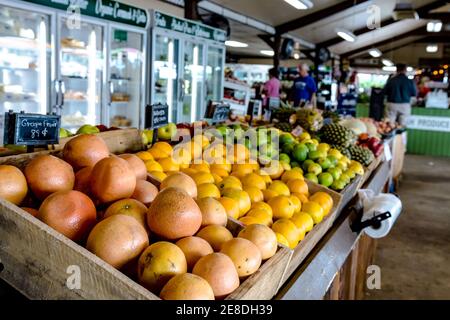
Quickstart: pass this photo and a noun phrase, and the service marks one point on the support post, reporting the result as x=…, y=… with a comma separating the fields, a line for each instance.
x=190, y=10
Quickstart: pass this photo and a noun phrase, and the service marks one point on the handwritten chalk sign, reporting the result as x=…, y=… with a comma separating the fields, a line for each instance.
x=156, y=116
x=221, y=113
x=31, y=129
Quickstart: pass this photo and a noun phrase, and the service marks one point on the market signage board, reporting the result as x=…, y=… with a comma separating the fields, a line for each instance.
x=156, y=116
x=164, y=21
x=31, y=129
x=428, y=123
x=221, y=113
x=104, y=9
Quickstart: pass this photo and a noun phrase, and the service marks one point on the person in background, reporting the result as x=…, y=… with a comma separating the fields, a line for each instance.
x=304, y=88
x=272, y=86
x=398, y=91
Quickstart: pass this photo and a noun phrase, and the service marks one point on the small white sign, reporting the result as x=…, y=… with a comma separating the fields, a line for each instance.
x=429, y=123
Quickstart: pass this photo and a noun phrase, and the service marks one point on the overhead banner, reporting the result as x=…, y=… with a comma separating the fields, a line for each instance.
x=164, y=21
x=428, y=123
x=104, y=9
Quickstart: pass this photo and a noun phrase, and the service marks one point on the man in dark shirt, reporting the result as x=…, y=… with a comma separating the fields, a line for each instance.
x=398, y=91
x=304, y=88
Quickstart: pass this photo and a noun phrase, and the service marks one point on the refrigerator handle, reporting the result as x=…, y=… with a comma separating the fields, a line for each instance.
x=62, y=91
x=111, y=91
x=57, y=87
x=182, y=87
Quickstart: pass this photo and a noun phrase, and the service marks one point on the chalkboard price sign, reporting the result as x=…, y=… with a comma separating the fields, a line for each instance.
x=156, y=116
x=221, y=113
x=31, y=129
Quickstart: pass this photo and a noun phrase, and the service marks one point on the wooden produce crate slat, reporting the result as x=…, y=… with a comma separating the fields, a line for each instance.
x=315, y=235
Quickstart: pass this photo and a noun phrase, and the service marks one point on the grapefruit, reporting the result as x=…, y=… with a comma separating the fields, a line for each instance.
x=13, y=184
x=145, y=192
x=244, y=254
x=194, y=248
x=128, y=207
x=215, y=235
x=263, y=237
x=187, y=286
x=136, y=164
x=82, y=180
x=182, y=181
x=85, y=150
x=213, y=212
x=47, y=174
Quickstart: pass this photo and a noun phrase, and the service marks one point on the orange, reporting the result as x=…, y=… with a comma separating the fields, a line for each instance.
x=303, y=221
x=314, y=210
x=152, y=165
x=168, y=164
x=201, y=167
x=269, y=194
x=282, y=207
x=298, y=186
x=288, y=229
x=275, y=169
x=244, y=168
x=302, y=197
x=262, y=215
x=263, y=206
x=202, y=140
x=222, y=166
x=158, y=153
x=255, y=194
x=249, y=220
x=241, y=197
x=280, y=188
x=240, y=153
x=254, y=180
x=217, y=179
x=196, y=150
x=282, y=239
x=267, y=179
x=230, y=182
x=291, y=175
x=325, y=201
x=164, y=146
x=203, y=177
x=231, y=207
x=215, y=153
x=207, y=190
x=220, y=172
x=159, y=175
x=182, y=155
x=296, y=202
x=144, y=155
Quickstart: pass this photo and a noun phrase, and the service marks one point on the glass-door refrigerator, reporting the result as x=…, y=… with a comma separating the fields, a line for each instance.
x=80, y=72
x=25, y=61
x=124, y=105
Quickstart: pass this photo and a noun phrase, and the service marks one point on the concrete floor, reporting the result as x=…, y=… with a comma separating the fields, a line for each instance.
x=415, y=258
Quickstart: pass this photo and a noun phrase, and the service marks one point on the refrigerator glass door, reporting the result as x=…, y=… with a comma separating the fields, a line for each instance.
x=125, y=82
x=165, y=74
x=193, y=79
x=24, y=61
x=81, y=73
x=214, y=74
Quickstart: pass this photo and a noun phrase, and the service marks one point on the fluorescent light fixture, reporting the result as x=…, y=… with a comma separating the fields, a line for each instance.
x=268, y=52
x=432, y=48
x=410, y=77
x=410, y=69
x=42, y=36
x=387, y=62
x=300, y=4
x=235, y=44
x=296, y=56
x=434, y=26
x=390, y=68
x=375, y=53
x=346, y=35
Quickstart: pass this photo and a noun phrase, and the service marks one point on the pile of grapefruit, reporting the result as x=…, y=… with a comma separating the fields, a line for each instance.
x=172, y=239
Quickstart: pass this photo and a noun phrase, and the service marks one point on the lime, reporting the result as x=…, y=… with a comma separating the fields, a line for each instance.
x=333, y=160
x=300, y=152
x=335, y=172
x=306, y=164
x=286, y=138
x=338, y=185
x=345, y=178
x=304, y=136
x=311, y=146
x=323, y=147
x=285, y=158
x=295, y=164
x=312, y=177
x=315, y=168
x=288, y=148
x=314, y=155
x=326, y=179
x=324, y=163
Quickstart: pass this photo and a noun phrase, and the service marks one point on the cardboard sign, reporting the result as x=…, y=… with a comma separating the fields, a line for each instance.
x=156, y=116
x=31, y=129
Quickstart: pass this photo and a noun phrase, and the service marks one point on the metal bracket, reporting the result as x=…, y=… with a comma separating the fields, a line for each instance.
x=375, y=221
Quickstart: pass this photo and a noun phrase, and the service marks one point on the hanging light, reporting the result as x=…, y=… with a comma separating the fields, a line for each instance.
x=434, y=26
x=432, y=48
x=296, y=56
x=390, y=68
x=235, y=44
x=300, y=4
x=267, y=53
x=375, y=53
x=346, y=35
x=387, y=62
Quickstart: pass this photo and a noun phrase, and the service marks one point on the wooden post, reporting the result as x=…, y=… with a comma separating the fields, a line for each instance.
x=190, y=9
x=276, y=49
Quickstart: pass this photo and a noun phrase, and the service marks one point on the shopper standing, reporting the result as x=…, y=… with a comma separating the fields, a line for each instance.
x=398, y=91
x=304, y=88
x=272, y=86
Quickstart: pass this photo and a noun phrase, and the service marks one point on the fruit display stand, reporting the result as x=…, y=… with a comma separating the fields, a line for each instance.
x=38, y=261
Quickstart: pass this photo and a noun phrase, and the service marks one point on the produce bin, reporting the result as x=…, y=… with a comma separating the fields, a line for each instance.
x=38, y=261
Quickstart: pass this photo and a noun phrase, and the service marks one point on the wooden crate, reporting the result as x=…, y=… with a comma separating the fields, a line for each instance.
x=36, y=258
x=315, y=235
